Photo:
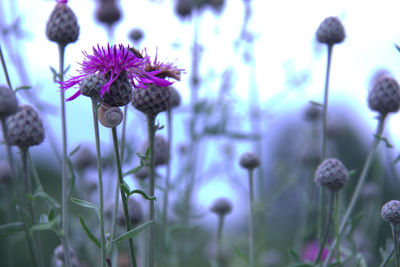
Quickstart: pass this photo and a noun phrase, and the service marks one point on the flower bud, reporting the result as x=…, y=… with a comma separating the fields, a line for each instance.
x=249, y=161
x=384, y=96
x=330, y=31
x=391, y=212
x=332, y=174
x=151, y=100
x=8, y=102
x=221, y=206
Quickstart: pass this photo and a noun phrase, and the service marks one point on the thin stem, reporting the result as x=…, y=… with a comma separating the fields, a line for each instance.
x=323, y=148
x=123, y=195
x=395, y=243
x=251, y=219
x=123, y=134
x=168, y=175
x=325, y=236
x=360, y=183
x=219, y=239
x=3, y=63
x=387, y=258
x=151, y=133
x=335, y=195
x=64, y=178
x=325, y=104
x=100, y=180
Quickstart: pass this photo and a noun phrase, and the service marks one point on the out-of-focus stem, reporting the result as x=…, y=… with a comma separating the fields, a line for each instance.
x=395, y=244
x=251, y=219
x=219, y=239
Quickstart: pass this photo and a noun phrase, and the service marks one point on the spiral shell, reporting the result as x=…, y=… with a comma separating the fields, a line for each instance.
x=110, y=117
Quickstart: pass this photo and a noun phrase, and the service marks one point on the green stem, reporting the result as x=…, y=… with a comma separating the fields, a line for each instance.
x=395, y=243
x=64, y=178
x=3, y=63
x=387, y=258
x=219, y=240
x=251, y=219
x=325, y=236
x=360, y=183
x=123, y=195
x=335, y=195
x=151, y=133
x=100, y=180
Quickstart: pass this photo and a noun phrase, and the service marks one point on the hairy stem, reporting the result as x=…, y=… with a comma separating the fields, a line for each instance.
x=123, y=196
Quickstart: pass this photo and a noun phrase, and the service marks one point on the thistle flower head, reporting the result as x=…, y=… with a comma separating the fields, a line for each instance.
x=391, y=212
x=110, y=62
x=165, y=69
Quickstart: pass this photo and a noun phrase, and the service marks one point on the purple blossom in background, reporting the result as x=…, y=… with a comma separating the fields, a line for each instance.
x=62, y=1
x=165, y=69
x=110, y=62
x=310, y=252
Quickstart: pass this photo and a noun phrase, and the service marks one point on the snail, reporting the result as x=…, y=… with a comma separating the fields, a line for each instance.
x=109, y=117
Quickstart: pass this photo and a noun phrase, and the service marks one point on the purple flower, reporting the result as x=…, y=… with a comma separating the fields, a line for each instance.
x=310, y=252
x=164, y=69
x=62, y=1
x=110, y=62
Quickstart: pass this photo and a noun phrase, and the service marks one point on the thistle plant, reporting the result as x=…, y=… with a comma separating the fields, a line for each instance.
x=63, y=29
x=250, y=161
x=391, y=214
x=333, y=175
x=151, y=101
x=221, y=207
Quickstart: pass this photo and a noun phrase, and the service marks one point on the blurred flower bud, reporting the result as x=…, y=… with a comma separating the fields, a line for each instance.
x=332, y=174
x=8, y=102
x=249, y=161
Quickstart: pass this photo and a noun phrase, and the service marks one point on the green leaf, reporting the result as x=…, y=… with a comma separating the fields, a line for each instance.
x=352, y=173
x=315, y=103
x=51, y=215
x=25, y=87
x=125, y=187
x=240, y=254
x=384, y=139
x=43, y=226
x=86, y=204
x=140, y=192
x=41, y=194
x=76, y=149
x=132, y=233
x=132, y=171
x=89, y=233
x=294, y=257
x=10, y=228
x=72, y=173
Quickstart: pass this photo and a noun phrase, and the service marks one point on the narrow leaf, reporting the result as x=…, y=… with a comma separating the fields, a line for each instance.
x=10, y=228
x=89, y=233
x=294, y=257
x=25, y=87
x=132, y=233
x=140, y=192
x=315, y=103
x=132, y=171
x=240, y=254
x=86, y=204
x=43, y=226
x=125, y=187
x=41, y=194
x=74, y=151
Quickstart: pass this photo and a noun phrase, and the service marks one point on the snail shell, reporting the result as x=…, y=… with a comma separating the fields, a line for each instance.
x=110, y=117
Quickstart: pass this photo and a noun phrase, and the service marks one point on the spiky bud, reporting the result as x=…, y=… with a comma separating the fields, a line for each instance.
x=120, y=93
x=221, y=206
x=330, y=31
x=332, y=174
x=110, y=117
x=25, y=128
x=151, y=100
x=62, y=26
x=108, y=12
x=160, y=150
x=384, y=96
x=8, y=102
x=91, y=85
x=249, y=161
x=136, y=35
x=391, y=212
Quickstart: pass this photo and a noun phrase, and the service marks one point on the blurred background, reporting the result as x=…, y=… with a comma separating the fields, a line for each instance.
x=251, y=69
